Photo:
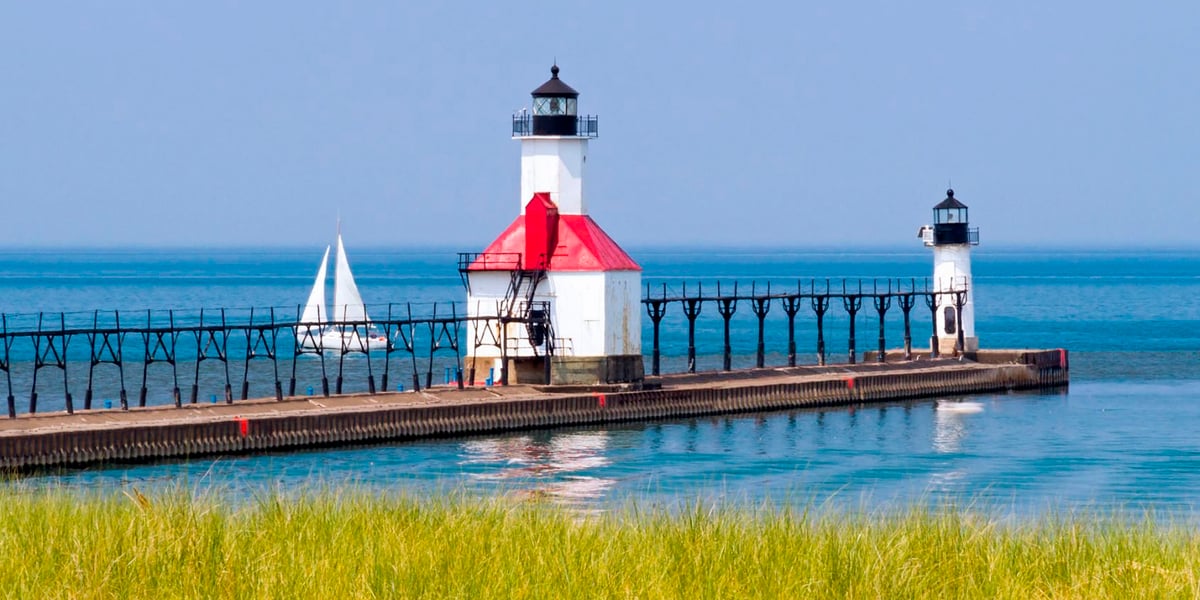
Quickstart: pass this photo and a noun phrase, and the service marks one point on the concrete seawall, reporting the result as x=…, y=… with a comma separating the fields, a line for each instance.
x=89, y=437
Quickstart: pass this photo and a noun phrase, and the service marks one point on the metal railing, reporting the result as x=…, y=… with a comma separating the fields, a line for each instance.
x=585, y=126
x=179, y=356
x=814, y=296
x=489, y=261
x=175, y=357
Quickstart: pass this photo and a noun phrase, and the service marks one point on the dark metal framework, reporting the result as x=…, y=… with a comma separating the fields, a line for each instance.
x=208, y=348
x=818, y=296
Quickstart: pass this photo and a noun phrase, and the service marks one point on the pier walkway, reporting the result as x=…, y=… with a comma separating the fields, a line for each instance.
x=154, y=433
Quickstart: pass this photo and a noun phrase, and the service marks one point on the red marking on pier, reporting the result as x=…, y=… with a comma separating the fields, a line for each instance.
x=243, y=426
x=850, y=383
x=601, y=399
x=1062, y=358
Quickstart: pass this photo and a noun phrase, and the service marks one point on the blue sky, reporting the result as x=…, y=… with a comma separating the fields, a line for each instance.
x=773, y=124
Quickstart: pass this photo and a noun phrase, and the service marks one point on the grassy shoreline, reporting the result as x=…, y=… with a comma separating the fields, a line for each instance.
x=344, y=544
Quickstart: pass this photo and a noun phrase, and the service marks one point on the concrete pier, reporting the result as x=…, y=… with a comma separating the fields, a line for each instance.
x=156, y=433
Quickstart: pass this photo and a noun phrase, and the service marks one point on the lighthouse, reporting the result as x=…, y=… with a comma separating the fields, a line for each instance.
x=553, y=299
x=951, y=238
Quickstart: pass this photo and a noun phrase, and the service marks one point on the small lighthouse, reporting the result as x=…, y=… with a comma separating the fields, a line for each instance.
x=951, y=239
x=553, y=299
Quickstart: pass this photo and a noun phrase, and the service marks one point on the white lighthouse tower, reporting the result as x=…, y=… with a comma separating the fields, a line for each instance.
x=951, y=239
x=553, y=299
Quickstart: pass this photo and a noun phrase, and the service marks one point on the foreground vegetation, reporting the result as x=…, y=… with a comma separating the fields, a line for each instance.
x=345, y=545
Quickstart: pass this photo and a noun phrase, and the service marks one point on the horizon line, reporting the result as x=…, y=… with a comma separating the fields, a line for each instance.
x=645, y=247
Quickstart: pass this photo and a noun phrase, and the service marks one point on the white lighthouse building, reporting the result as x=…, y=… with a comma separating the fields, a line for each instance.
x=951, y=238
x=553, y=299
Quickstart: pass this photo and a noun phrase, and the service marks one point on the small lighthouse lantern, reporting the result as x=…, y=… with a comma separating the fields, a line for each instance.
x=950, y=222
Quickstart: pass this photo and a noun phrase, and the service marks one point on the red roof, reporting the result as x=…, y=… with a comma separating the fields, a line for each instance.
x=581, y=246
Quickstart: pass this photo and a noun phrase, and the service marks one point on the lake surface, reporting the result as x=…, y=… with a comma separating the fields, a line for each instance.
x=1123, y=436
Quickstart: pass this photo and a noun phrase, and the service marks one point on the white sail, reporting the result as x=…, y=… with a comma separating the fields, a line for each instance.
x=314, y=310
x=320, y=328
x=347, y=302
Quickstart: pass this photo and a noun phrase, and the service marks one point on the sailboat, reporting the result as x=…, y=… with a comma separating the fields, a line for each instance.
x=346, y=327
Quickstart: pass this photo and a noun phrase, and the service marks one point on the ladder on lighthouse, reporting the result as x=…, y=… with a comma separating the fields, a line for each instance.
x=519, y=307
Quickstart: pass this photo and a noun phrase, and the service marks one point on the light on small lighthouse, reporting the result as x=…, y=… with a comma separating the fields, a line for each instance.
x=950, y=221
x=951, y=238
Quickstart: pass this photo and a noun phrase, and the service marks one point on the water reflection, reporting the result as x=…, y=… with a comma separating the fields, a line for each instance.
x=550, y=465
x=1104, y=444
x=949, y=424
x=949, y=433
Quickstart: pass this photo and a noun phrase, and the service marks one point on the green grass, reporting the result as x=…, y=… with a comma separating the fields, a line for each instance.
x=349, y=544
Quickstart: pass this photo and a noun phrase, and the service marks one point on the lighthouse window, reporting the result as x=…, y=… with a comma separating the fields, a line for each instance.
x=948, y=317
x=554, y=106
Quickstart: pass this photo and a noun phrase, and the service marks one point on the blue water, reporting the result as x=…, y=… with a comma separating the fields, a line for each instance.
x=1122, y=436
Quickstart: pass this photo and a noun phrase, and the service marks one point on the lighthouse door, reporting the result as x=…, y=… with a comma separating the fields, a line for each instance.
x=948, y=317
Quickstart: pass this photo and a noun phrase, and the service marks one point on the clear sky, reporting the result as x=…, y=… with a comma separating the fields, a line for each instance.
x=735, y=123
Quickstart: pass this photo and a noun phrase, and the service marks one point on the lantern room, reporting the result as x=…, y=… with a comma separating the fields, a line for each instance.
x=555, y=107
x=950, y=210
x=950, y=224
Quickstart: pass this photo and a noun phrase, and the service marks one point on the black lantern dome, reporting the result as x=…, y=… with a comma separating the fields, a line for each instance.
x=555, y=107
x=950, y=222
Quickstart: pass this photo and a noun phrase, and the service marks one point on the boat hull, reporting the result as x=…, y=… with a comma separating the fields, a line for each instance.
x=333, y=338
